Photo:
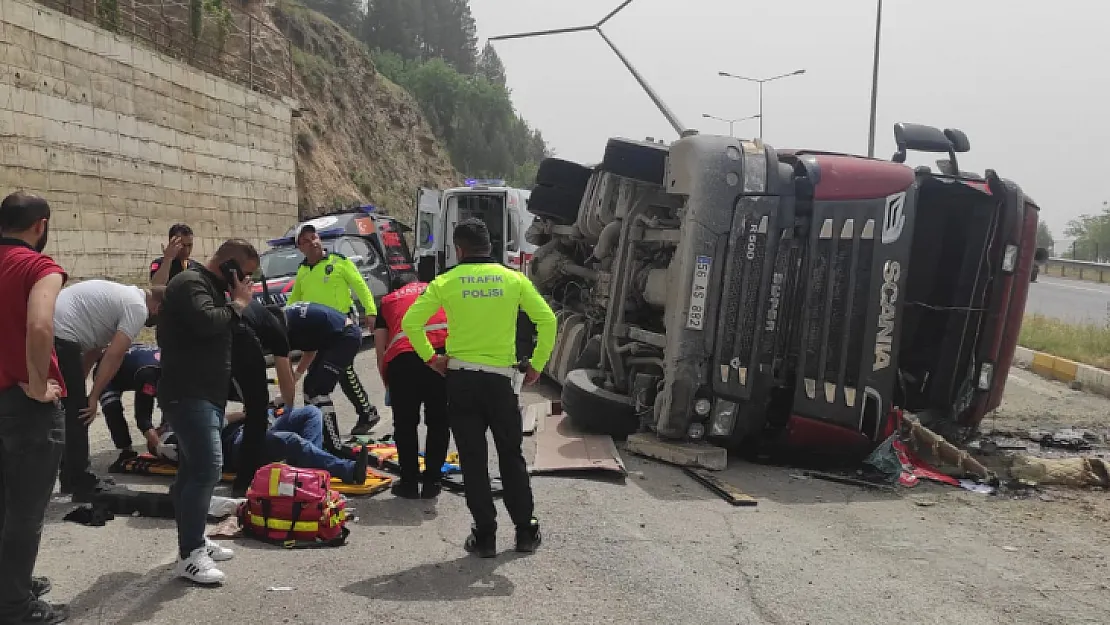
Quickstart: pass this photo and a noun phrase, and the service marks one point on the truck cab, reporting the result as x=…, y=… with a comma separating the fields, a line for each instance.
x=502, y=208
x=721, y=289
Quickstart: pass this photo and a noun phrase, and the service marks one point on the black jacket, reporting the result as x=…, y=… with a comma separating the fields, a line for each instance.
x=195, y=332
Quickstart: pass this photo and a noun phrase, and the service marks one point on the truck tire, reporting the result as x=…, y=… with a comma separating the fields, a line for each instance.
x=555, y=203
x=555, y=172
x=595, y=410
x=638, y=160
x=1036, y=272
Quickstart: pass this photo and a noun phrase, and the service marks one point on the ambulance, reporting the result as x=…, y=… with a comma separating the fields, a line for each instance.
x=503, y=209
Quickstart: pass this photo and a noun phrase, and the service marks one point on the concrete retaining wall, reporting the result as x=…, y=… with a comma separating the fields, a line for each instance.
x=123, y=142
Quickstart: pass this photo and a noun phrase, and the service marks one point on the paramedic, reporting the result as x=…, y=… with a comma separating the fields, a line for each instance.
x=328, y=278
x=411, y=385
x=31, y=419
x=139, y=372
x=195, y=334
x=175, y=256
x=336, y=340
x=482, y=299
x=94, y=320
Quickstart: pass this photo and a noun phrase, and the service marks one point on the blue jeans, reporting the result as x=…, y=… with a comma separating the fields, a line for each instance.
x=298, y=437
x=197, y=424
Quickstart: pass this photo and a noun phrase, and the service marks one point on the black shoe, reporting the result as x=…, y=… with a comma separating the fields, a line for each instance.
x=364, y=427
x=405, y=489
x=43, y=613
x=528, y=538
x=125, y=455
x=361, y=464
x=482, y=545
x=431, y=490
x=40, y=586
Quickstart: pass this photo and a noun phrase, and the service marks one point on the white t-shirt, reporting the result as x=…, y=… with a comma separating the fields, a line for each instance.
x=90, y=313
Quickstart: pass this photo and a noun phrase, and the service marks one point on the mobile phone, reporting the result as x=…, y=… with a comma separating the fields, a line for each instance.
x=231, y=271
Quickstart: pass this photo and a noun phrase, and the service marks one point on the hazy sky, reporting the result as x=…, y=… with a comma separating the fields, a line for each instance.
x=1025, y=80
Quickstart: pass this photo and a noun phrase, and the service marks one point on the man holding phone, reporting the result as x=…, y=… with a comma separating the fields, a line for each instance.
x=195, y=333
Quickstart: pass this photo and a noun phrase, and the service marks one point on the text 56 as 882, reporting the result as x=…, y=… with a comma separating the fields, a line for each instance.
x=698, y=293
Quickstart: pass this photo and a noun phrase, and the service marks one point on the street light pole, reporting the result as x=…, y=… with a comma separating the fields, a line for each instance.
x=731, y=122
x=875, y=81
x=760, y=81
x=658, y=101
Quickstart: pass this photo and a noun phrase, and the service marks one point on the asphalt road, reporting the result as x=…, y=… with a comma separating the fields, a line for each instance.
x=655, y=548
x=1069, y=300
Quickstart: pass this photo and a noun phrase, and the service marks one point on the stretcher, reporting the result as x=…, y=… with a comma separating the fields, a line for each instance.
x=383, y=454
x=146, y=464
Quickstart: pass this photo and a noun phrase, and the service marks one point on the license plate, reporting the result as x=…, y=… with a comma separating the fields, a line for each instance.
x=698, y=293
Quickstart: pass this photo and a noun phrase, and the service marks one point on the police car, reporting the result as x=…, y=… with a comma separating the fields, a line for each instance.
x=375, y=243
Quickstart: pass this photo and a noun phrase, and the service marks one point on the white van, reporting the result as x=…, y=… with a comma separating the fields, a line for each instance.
x=503, y=209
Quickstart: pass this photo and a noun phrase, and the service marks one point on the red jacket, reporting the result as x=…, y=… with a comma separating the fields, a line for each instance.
x=392, y=311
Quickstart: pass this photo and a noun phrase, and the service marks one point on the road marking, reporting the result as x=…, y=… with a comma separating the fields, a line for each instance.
x=1104, y=291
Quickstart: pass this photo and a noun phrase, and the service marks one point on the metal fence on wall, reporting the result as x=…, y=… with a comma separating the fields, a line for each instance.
x=229, y=42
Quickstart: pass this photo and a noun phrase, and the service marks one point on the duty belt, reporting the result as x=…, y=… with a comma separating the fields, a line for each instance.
x=428, y=328
x=462, y=365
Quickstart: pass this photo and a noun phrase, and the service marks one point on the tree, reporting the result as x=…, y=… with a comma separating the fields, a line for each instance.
x=1044, y=237
x=1092, y=235
x=390, y=25
x=346, y=13
x=490, y=66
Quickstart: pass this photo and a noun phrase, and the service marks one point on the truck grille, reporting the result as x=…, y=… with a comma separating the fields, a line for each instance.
x=751, y=309
x=839, y=273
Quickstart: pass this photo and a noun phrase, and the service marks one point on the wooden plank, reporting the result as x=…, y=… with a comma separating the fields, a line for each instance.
x=726, y=491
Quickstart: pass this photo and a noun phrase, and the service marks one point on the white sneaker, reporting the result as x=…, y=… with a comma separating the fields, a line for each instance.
x=218, y=552
x=200, y=568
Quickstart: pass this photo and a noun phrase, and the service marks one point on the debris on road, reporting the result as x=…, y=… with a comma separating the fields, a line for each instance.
x=923, y=438
x=96, y=515
x=727, y=491
x=1069, y=439
x=280, y=589
x=561, y=448
x=845, y=479
x=1076, y=472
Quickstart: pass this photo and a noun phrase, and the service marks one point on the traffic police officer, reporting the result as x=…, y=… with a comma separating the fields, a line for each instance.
x=328, y=278
x=482, y=299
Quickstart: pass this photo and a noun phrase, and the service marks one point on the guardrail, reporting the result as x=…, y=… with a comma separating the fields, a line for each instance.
x=1081, y=269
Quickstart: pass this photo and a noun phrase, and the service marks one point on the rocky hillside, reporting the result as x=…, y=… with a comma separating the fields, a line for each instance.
x=361, y=137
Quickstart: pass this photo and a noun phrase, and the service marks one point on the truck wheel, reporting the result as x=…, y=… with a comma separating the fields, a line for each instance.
x=554, y=203
x=638, y=160
x=595, y=410
x=1036, y=272
x=555, y=172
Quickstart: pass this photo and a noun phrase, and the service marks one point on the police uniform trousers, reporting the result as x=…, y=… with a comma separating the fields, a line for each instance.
x=352, y=386
x=477, y=402
x=412, y=385
x=326, y=370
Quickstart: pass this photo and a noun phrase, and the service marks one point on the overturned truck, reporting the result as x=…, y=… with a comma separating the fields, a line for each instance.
x=721, y=289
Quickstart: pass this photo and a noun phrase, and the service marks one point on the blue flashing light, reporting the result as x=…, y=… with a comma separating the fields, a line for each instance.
x=368, y=209
x=484, y=182
x=291, y=240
